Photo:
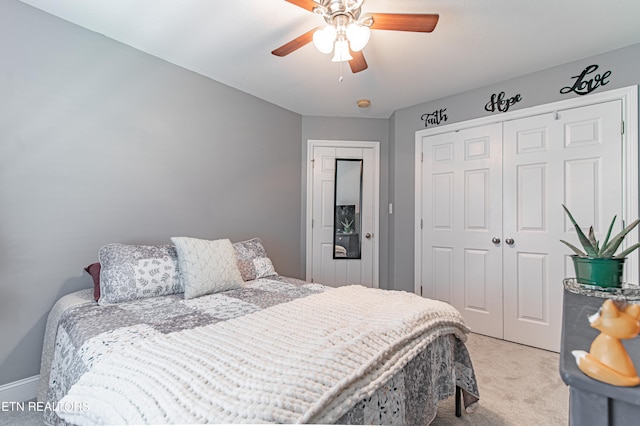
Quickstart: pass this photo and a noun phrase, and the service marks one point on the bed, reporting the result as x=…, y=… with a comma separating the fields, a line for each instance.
x=202, y=331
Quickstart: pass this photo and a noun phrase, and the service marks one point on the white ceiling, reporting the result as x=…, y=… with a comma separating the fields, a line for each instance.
x=476, y=43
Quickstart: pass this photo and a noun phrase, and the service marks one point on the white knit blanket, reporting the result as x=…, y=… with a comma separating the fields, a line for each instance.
x=305, y=361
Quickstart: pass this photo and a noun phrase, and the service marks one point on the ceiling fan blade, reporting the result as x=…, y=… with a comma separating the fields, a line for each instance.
x=421, y=23
x=305, y=4
x=358, y=63
x=295, y=44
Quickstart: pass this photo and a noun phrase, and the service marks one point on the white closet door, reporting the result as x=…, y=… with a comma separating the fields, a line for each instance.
x=462, y=211
x=571, y=157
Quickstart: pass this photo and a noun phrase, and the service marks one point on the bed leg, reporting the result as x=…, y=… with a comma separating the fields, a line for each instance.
x=458, y=401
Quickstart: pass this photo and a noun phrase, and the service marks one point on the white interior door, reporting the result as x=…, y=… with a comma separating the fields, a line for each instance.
x=462, y=214
x=322, y=266
x=570, y=157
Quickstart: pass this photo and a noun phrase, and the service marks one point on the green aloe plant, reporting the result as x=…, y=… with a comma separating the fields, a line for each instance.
x=347, y=225
x=592, y=246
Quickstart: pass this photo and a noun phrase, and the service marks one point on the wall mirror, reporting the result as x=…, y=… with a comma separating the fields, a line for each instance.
x=347, y=202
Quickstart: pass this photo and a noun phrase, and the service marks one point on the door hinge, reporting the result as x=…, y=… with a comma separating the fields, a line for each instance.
x=313, y=163
x=421, y=223
x=420, y=290
x=622, y=128
x=422, y=157
x=312, y=223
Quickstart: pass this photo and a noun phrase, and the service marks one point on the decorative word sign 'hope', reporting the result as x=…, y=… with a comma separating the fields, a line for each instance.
x=436, y=117
x=584, y=86
x=499, y=103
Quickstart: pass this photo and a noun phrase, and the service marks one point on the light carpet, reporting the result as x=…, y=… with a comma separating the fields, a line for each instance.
x=519, y=385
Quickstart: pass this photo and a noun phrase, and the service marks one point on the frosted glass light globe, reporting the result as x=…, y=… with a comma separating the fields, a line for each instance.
x=358, y=36
x=323, y=39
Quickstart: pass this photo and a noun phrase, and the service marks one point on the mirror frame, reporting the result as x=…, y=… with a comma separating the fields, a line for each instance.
x=358, y=214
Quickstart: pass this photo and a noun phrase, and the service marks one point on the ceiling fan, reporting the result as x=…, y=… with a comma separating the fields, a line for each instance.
x=347, y=31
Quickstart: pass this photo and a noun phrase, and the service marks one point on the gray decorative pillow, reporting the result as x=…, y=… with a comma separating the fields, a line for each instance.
x=253, y=261
x=206, y=266
x=130, y=272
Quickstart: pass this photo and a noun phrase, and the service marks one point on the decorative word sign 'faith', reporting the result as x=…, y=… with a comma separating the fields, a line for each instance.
x=434, y=118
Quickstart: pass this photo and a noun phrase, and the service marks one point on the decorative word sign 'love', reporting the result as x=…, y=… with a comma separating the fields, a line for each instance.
x=584, y=85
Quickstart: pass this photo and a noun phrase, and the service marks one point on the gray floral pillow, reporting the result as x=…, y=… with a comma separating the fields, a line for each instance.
x=130, y=272
x=253, y=261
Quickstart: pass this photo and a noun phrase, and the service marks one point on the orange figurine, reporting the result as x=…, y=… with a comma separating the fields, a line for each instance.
x=608, y=360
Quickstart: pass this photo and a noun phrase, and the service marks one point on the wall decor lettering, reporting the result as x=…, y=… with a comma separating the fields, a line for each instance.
x=584, y=85
x=434, y=118
x=499, y=103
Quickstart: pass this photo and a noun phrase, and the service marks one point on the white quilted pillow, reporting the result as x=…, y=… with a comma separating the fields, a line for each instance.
x=206, y=266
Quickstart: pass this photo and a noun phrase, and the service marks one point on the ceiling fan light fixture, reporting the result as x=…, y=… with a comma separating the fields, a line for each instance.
x=341, y=51
x=358, y=36
x=323, y=39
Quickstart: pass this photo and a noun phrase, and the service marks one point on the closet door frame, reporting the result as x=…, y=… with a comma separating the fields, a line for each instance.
x=629, y=98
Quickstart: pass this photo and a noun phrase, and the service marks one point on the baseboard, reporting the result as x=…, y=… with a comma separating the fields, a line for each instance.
x=22, y=390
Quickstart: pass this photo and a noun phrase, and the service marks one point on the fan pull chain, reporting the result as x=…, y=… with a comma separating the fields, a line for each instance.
x=340, y=78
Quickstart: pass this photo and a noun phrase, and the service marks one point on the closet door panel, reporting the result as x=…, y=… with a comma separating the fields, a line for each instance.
x=583, y=193
x=462, y=212
x=442, y=202
x=477, y=287
x=531, y=197
x=533, y=287
x=569, y=157
x=441, y=270
x=477, y=193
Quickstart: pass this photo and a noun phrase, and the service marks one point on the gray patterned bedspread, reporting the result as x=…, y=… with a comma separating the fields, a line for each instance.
x=80, y=333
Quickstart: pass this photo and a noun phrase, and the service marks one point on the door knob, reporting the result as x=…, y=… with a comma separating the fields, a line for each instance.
x=495, y=240
x=367, y=235
x=509, y=241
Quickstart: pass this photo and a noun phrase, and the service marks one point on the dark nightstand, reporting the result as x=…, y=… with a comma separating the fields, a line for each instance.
x=592, y=402
x=351, y=242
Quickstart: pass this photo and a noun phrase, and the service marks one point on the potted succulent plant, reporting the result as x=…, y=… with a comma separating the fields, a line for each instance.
x=347, y=226
x=598, y=264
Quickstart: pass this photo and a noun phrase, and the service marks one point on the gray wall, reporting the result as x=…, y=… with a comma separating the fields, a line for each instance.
x=352, y=129
x=101, y=143
x=536, y=89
